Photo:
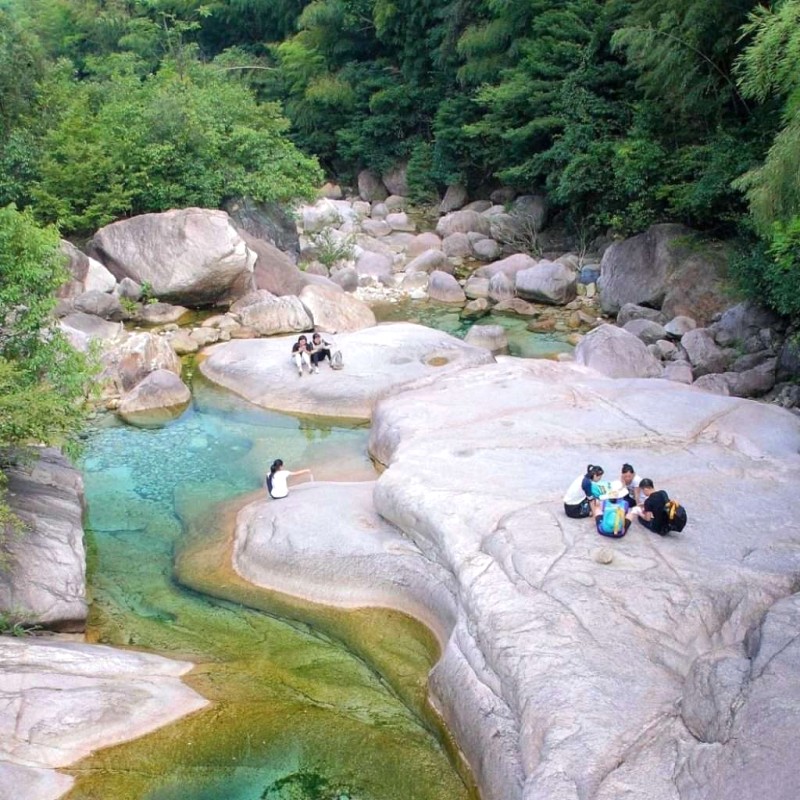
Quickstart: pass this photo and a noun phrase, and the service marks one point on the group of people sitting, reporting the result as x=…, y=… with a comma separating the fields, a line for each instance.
x=614, y=504
x=311, y=354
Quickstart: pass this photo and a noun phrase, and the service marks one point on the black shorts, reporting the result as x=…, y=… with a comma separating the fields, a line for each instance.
x=578, y=511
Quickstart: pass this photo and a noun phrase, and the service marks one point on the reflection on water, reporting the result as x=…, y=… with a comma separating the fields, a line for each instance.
x=294, y=714
x=521, y=342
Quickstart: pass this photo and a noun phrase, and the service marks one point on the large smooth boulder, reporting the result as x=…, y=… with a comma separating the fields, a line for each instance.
x=396, y=179
x=86, y=274
x=443, y=287
x=454, y=198
x=99, y=304
x=269, y=315
x=191, y=256
x=493, y=337
x=648, y=331
x=323, y=214
x=666, y=267
x=501, y=287
x=486, y=249
x=548, y=282
x=278, y=546
x=269, y=222
x=156, y=400
x=376, y=227
x=273, y=269
x=457, y=245
x=532, y=208
x=400, y=221
x=64, y=700
x=126, y=363
x=334, y=311
x=563, y=647
x=616, y=353
x=631, y=311
x=160, y=313
x=376, y=265
x=462, y=222
x=378, y=360
x=422, y=242
x=429, y=261
x=742, y=322
x=510, y=266
x=82, y=330
x=703, y=352
x=44, y=581
x=370, y=187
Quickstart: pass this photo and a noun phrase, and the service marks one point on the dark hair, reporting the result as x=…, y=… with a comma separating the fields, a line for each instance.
x=316, y=335
x=593, y=469
x=302, y=336
x=646, y=483
x=627, y=468
x=276, y=465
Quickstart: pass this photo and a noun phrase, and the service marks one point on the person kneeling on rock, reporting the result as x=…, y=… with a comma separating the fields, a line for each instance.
x=613, y=515
x=278, y=479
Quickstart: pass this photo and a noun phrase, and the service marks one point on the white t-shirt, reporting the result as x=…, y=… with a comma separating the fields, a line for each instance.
x=633, y=485
x=575, y=493
x=280, y=486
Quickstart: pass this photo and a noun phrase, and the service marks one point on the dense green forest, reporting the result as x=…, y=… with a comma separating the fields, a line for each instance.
x=625, y=112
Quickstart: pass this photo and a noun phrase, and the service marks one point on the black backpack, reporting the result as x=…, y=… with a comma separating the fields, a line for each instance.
x=269, y=483
x=676, y=516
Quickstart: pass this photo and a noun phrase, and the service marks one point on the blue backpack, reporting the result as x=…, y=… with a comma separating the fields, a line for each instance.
x=613, y=522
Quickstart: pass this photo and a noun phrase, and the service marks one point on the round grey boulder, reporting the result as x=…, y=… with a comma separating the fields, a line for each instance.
x=616, y=353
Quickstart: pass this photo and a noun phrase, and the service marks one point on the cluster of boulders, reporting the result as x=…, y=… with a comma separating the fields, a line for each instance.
x=665, y=287
x=134, y=294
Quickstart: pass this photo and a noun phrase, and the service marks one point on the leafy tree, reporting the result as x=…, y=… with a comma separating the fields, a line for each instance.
x=43, y=380
x=191, y=134
x=770, y=67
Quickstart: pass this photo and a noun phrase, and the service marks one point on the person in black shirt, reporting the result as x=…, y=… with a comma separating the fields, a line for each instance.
x=654, y=515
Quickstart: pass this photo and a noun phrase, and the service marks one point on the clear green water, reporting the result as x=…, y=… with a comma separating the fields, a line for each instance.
x=521, y=342
x=307, y=703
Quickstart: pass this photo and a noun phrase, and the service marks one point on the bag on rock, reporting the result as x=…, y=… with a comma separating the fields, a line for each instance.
x=676, y=516
x=336, y=360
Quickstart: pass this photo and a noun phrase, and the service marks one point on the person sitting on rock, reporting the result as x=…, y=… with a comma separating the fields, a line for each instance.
x=578, y=499
x=630, y=480
x=613, y=514
x=654, y=513
x=594, y=485
x=320, y=350
x=301, y=354
x=278, y=479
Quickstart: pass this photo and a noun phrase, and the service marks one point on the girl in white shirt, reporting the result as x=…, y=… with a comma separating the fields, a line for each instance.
x=278, y=479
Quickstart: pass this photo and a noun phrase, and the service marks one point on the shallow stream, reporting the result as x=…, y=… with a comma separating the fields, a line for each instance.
x=308, y=703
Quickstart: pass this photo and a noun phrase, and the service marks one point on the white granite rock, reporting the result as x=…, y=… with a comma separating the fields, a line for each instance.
x=43, y=581
x=62, y=700
x=377, y=360
x=567, y=676
x=334, y=311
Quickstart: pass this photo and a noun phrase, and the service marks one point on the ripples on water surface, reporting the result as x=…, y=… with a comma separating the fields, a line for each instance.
x=295, y=715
